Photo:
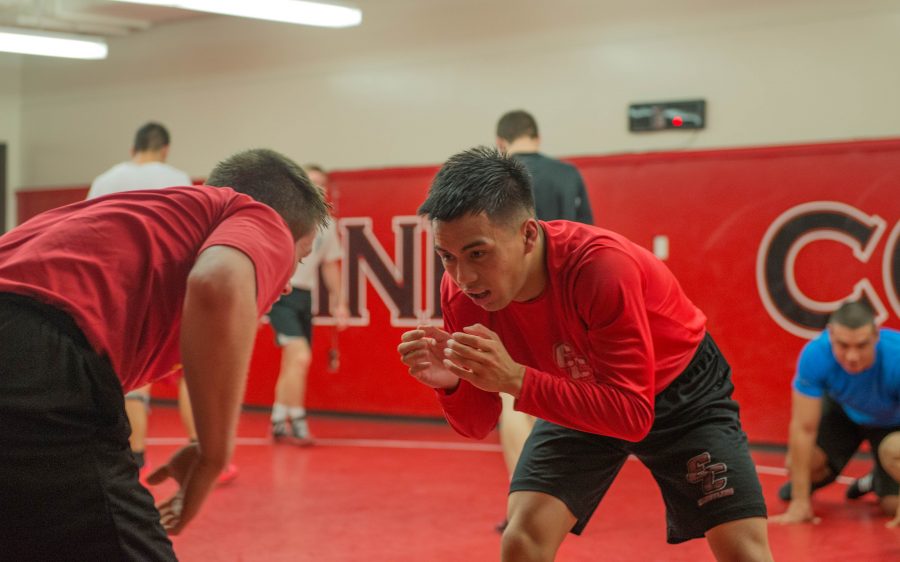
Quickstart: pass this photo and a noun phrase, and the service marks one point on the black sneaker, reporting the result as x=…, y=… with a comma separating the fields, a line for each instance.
x=300, y=431
x=785, y=491
x=860, y=487
x=280, y=430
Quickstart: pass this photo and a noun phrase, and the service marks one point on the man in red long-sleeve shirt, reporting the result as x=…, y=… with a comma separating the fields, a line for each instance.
x=593, y=335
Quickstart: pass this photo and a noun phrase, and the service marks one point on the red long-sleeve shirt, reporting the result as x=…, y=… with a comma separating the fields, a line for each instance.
x=611, y=329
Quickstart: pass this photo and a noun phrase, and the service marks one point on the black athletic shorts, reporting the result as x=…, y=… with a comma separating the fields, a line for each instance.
x=291, y=316
x=839, y=437
x=696, y=451
x=69, y=485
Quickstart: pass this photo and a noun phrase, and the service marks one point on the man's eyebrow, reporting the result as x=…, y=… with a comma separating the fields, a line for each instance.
x=468, y=246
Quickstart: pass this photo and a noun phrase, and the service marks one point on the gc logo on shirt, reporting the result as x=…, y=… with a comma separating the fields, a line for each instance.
x=569, y=360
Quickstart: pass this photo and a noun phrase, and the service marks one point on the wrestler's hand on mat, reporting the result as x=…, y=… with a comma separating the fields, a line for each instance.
x=895, y=522
x=195, y=477
x=798, y=511
x=422, y=350
x=477, y=355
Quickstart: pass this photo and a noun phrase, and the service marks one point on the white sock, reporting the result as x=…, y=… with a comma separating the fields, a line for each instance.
x=279, y=412
x=297, y=412
x=865, y=483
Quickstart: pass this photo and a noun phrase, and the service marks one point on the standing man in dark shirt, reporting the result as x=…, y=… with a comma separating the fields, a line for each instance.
x=559, y=191
x=559, y=194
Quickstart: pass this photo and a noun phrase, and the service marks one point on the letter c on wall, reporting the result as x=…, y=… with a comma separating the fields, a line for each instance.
x=790, y=233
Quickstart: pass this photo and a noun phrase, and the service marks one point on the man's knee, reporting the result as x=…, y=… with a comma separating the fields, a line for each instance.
x=520, y=544
x=538, y=523
x=743, y=540
x=298, y=350
x=889, y=453
x=138, y=396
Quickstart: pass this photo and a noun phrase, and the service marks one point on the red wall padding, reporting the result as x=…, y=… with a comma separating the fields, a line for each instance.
x=717, y=206
x=822, y=216
x=30, y=202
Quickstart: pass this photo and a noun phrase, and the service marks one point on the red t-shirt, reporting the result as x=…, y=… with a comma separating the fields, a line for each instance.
x=611, y=329
x=118, y=265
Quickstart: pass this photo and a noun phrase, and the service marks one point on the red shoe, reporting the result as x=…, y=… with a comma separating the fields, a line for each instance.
x=227, y=476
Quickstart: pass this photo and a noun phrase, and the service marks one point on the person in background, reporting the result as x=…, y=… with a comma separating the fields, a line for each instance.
x=291, y=320
x=846, y=390
x=559, y=192
x=147, y=168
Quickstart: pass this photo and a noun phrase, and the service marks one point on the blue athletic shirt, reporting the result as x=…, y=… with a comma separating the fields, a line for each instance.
x=871, y=397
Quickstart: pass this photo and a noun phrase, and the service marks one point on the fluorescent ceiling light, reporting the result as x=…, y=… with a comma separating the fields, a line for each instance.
x=289, y=11
x=49, y=44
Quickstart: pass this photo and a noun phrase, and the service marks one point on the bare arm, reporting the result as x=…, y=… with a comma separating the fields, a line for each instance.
x=331, y=274
x=217, y=334
x=805, y=414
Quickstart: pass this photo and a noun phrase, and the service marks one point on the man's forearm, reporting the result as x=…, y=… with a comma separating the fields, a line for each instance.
x=331, y=274
x=800, y=451
x=217, y=334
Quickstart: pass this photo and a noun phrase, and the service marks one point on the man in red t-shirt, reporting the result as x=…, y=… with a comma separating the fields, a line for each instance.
x=593, y=335
x=104, y=296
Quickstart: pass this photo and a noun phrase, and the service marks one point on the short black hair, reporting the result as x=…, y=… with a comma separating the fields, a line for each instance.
x=480, y=180
x=516, y=124
x=853, y=315
x=151, y=137
x=276, y=181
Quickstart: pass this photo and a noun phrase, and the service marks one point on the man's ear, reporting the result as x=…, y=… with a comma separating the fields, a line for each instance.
x=501, y=144
x=531, y=233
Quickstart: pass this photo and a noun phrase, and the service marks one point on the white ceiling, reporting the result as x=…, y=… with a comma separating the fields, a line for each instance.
x=108, y=18
x=93, y=17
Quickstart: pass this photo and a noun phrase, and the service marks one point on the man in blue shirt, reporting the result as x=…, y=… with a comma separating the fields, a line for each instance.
x=847, y=389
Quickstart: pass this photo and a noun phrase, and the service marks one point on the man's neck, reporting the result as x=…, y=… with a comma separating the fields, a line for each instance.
x=537, y=269
x=524, y=145
x=147, y=157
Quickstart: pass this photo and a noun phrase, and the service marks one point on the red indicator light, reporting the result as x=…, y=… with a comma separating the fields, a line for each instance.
x=677, y=121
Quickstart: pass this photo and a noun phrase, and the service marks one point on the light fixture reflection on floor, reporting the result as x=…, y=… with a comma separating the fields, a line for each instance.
x=289, y=11
x=51, y=44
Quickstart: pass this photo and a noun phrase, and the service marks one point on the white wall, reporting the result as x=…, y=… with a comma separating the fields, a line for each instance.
x=10, y=125
x=421, y=80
